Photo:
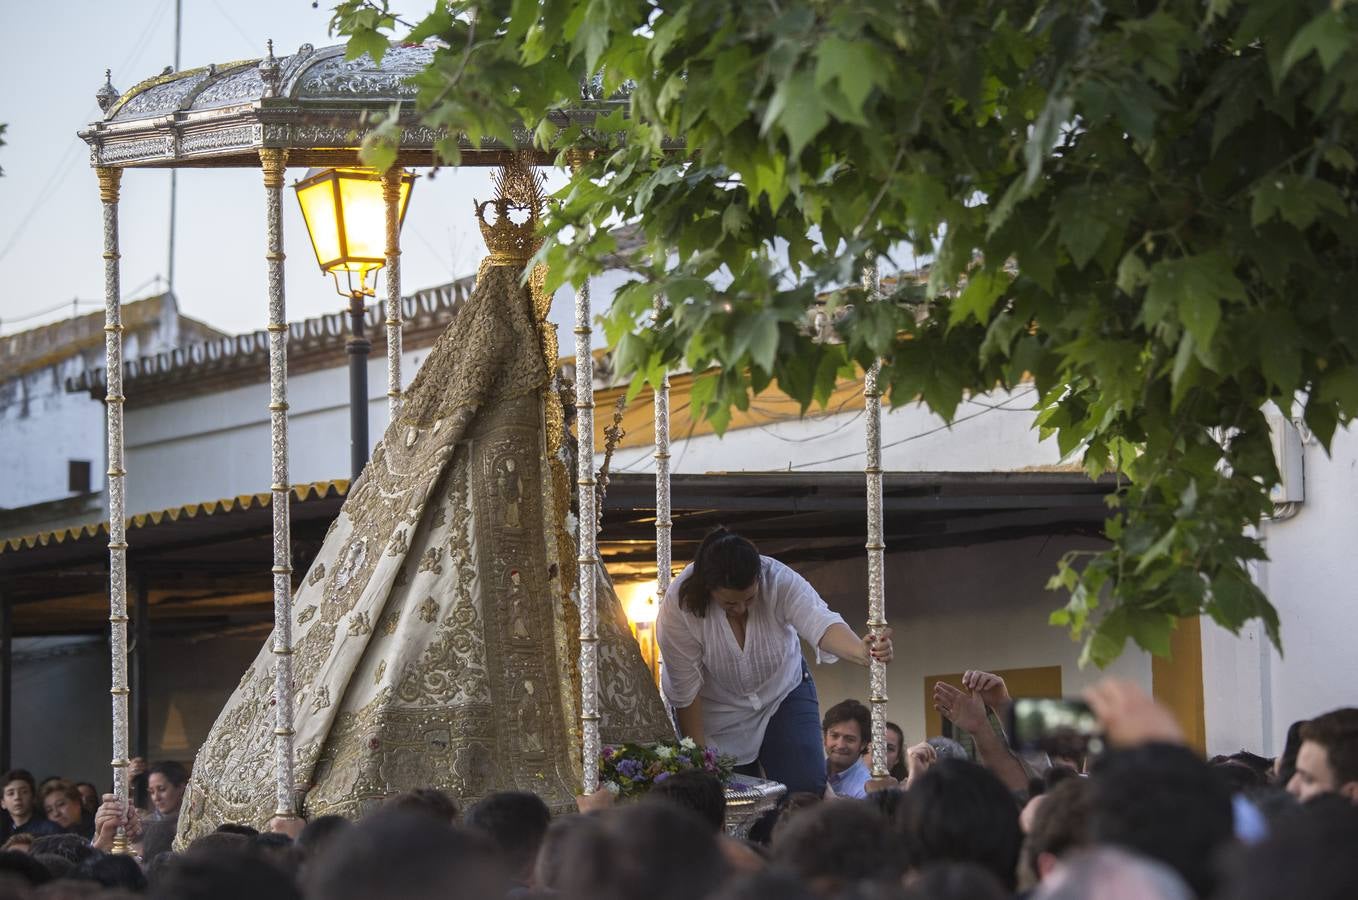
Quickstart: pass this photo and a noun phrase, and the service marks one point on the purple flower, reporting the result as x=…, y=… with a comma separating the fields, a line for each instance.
x=709, y=756
x=608, y=752
x=661, y=777
x=629, y=768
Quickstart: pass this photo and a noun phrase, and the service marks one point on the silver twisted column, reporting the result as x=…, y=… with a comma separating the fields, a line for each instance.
x=391, y=196
x=273, y=162
x=588, y=550
x=663, y=524
x=109, y=181
x=872, y=399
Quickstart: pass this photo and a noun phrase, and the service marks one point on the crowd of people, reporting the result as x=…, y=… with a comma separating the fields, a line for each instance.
x=1145, y=818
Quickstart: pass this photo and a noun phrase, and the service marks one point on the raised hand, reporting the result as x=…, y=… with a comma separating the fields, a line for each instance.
x=990, y=687
x=918, y=759
x=965, y=709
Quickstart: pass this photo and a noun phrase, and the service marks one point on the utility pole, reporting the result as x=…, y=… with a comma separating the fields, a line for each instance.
x=174, y=172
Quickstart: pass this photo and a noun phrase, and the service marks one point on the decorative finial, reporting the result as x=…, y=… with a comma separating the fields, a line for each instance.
x=519, y=194
x=269, y=71
x=107, y=95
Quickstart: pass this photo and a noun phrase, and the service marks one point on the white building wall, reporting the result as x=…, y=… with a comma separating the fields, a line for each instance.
x=982, y=438
x=217, y=445
x=1253, y=694
x=42, y=428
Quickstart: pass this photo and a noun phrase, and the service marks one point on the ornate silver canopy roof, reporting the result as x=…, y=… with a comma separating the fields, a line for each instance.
x=314, y=103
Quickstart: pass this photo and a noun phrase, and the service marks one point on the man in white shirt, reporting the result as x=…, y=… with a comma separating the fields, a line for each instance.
x=846, y=728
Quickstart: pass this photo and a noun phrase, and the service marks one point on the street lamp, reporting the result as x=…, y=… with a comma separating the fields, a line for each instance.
x=345, y=215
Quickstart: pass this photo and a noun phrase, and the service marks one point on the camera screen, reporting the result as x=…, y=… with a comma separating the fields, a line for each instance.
x=1058, y=727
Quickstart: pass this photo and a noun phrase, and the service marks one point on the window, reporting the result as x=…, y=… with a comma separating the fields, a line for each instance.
x=78, y=476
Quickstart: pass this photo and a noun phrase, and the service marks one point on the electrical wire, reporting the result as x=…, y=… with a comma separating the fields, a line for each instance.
x=923, y=434
x=62, y=168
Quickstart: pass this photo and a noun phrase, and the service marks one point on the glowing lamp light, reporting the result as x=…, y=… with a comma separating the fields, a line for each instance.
x=346, y=218
x=640, y=604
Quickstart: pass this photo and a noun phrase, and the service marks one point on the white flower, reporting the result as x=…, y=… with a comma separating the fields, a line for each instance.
x=688, y=744
x=664, y=752
x=613, y=788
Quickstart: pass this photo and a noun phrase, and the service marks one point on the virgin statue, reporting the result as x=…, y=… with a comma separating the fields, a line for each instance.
x=436, y=633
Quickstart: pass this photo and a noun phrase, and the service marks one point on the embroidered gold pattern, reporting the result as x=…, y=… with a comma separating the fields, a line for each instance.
x=474, y=692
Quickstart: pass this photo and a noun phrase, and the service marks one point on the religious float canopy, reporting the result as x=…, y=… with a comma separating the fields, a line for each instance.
x=315, y=105
x=312, y=109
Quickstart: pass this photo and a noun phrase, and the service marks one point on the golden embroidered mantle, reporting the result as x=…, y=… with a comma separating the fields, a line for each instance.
x=436, y=631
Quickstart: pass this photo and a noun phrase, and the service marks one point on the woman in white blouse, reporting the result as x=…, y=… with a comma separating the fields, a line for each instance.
x=729, y=629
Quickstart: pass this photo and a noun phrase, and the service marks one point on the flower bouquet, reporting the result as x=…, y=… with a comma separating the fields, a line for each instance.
x=630, y=770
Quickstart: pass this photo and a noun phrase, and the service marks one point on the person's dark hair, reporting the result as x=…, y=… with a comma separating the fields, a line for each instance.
x=156, y=865
x=429, y=802
x=221, y=873
x=765, y=884
x=140, y=792
x=848, y=711
x=94, y=792
x=68, y=846
x=233, y=828
x=958, y=811
x=157, y=837
x=22, y=867
x=220, y=842
x=643, y=850
x=19, y=775
x=886, y=802
x=1060, y=824
x=396, y=853
x=280, y=850
x=1238, y=777
x=899, y=770
x=1287, y=762
x=1337, y=732
x=838, y=843
x=698, y=791
x=955, y=881
x=57, y=866
x=1308, y=855
x=556, y=843
x=724, y=560
x=1161, y=800
x=320, y=832
x=114, y=871
x=516, y=822
x=795, y=804
x=172, y=771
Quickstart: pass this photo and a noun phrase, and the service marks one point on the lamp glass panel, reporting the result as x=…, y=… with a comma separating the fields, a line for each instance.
x=365, y=221
x=322, y=220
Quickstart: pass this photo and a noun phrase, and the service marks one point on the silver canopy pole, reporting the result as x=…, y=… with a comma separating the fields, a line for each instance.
x=109, y=181
x=872, y=399
x=274, y=161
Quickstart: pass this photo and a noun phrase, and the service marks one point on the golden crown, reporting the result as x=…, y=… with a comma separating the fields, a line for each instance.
x=512, y=236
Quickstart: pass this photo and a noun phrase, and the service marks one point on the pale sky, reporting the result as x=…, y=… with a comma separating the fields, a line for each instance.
x=50, y=219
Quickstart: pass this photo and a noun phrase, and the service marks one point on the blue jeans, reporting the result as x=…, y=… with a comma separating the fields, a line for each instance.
x=793, y=751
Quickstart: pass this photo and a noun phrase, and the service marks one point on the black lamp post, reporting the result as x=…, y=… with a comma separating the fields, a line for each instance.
x=345, y=217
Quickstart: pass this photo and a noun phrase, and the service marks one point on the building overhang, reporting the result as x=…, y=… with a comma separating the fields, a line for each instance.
x=207, y=565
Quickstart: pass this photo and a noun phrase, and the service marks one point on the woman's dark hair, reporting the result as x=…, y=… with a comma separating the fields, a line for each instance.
x=899, y=770
x=172, y=771
x=1287, y=764
x=724, y=560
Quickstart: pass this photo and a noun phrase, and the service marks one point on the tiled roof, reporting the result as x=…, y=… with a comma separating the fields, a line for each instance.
x=425, y=313
x=37, y=348
x=318, y=490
